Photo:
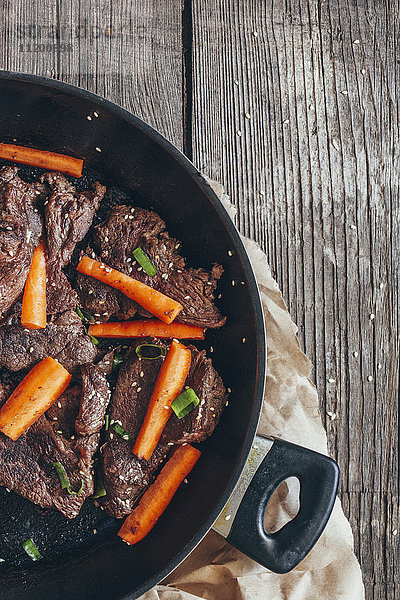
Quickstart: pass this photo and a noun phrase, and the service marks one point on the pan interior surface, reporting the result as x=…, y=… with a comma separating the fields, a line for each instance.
x=151, y=173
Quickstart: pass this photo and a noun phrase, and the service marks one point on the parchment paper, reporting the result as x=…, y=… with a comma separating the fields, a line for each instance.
x=217, y=571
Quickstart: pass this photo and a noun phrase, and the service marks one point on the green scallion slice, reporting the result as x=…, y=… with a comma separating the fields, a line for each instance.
x=118, y=360
x=85, y=315
x=185, y=403
x=99, y=490
x=106, y=422
x=31, y=550
x=64, y=479
x=95, y=341
x=144, y=262
x=150, y=351
x=121, y=431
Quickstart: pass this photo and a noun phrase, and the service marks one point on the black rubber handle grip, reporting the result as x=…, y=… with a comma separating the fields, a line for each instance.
x=282, y=551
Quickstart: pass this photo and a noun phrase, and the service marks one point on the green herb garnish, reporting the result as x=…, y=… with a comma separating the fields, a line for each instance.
x=85, y=315
x=121, y=431
x=99, y=490
x=144, y=262
x=185, y=403
x=31, y=550
x=150, y=351
x=95, y=341
x=106, y=422
x=64, y=479
x=118, y=360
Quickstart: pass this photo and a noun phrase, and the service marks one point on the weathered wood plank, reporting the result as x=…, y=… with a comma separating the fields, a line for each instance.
x=128, y=51
x=294, y=110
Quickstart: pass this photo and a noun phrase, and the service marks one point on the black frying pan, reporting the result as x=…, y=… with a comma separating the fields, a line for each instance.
x=77, y=563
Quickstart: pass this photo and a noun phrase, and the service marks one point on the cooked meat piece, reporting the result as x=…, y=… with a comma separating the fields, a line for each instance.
x=125, y=476
x=20, y=231
x=97, y=297
x=63, y=339
x=126, y=229
x=96, y=396
x=26, y=464
x=201, y=421
x=68, y=217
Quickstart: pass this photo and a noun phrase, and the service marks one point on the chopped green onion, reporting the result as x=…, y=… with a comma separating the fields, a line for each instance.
x=185, y=403
x=144, y=262
x=106, y=422
x=118, y=360
x=31, y=550
x=95, y=341
x=121, y=431
x=147, y=351
x=99, y=490
x=85, y=315
x=64, y=480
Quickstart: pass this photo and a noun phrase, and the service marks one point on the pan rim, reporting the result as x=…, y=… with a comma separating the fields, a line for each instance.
x=205, y=188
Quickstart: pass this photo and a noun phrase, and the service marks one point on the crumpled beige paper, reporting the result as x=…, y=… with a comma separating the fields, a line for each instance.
x=217, y=571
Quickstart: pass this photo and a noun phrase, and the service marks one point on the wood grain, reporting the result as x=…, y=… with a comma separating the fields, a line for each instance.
x=111, y=48
x=293, y=105
x=295, y=112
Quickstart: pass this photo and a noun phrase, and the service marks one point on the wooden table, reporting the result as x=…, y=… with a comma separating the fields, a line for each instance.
x=293, y=106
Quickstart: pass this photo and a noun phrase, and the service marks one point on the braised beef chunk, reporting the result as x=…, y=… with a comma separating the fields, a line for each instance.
x=201, y=421
x=20, y=231
x=26, y=465
x=63, y=338
x=96, y=396
x=68, y=217
x=128, y=228
x=125, y=476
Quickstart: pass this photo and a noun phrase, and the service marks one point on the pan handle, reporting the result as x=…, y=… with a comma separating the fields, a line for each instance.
x=282, y=551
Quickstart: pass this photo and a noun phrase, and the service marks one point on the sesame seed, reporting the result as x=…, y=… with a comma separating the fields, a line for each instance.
x=94, y=531
x=98, y=149
x=236, y=82
x=239, y=133
x=247, y=115
x=187, y=298
x=177, y=246
x=170, y=265
x=243, y=340
x=9, y=228
x=170, y=443
x=227, y=517
x=227, y=403
x=211, y=349
x=166, y=407
x=370, y=378
x=233, y=282
x=394, y=532
x=97, y=314
x=356, y=42
x=139, y=389
x=141, y=374
x=230, y=253
x=72, y=437
x=371, y=317
x=111, y=436
x=132, y=210
x=345, y=92
x=379, y=366
x=134, y=383
x=96, y=114
x=355, y=354
x=89, y=118
x=58, y=431
x=219, y=296
x=105, y=238
x=229, y=390
x=331, y=380
x=139, y=268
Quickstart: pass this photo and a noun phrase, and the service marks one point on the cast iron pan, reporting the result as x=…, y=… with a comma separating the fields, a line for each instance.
x=78, y=564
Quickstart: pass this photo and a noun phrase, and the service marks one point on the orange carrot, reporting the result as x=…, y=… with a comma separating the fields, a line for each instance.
x=33, y=396
x=169, y=384
x=147, y=327
x=153, y=301
x=33, y=314
x=155, y=500
x=43, y=159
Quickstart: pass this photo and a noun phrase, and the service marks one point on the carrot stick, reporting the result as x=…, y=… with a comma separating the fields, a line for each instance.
x=153, y=301
x=170, y=381
x=33, y=396
x=155, y=500
x=147, y=327
x=33, y=314
x=43, y=159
